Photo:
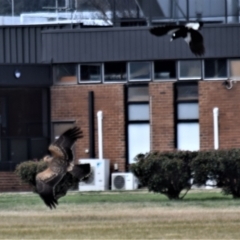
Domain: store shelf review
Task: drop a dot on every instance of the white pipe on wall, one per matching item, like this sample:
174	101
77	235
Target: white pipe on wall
215	127
100	135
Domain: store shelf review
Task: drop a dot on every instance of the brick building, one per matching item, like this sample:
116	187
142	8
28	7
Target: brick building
154	95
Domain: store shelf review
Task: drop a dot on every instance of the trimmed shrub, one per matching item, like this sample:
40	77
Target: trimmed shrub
222	166
28	170
165	172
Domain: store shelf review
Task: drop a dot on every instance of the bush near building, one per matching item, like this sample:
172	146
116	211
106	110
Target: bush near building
219	166
170	173
28	170
165	172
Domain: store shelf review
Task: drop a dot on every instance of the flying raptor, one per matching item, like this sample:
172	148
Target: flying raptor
189	32
60	163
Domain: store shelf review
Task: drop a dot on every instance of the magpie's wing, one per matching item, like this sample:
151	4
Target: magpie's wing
62	147
197	43
163	30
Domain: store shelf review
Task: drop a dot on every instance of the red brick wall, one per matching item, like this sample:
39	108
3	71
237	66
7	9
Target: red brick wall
214	94
71	103
162	115
10	182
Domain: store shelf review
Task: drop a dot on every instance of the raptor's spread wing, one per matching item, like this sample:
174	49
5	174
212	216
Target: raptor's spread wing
45	186
62	147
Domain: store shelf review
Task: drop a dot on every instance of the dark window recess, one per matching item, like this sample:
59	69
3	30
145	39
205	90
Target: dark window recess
215	68
116	71
90	73
164	69
24	126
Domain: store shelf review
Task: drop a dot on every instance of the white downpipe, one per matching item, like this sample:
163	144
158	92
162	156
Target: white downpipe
215	127
100	135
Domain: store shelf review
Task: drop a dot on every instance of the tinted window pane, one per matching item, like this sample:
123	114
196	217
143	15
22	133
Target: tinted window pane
187	111
138	112
187	92
190	69
215	68
188	136
65	74
90	73
140	71
164	69
136	94
115	71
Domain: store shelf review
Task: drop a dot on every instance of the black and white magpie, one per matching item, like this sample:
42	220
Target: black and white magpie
188	31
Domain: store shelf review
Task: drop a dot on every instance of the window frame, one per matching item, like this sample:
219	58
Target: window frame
55	82
90	81
191	78
164	79
176	102
139	80
229	68
216	78
135	122
115	81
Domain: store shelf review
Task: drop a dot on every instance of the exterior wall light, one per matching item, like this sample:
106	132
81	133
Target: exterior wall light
17	73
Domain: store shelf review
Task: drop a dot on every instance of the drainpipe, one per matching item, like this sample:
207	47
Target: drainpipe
100	135
215	128
91	124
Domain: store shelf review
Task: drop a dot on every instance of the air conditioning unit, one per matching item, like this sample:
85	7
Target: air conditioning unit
124	181
99	178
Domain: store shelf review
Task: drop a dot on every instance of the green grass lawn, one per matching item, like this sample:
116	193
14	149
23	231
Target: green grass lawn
202	214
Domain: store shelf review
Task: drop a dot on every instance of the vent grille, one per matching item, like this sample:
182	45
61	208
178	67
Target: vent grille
119	182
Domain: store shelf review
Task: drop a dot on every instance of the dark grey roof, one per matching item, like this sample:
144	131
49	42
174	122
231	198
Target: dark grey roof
134	44
62	44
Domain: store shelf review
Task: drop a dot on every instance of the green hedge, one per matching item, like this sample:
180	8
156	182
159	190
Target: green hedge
223	166
165	172
28	170
171	172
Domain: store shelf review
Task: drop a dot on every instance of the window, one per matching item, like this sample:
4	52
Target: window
187	116
164	70
90	73
234	66
24	125
215	68
140	71
138	126
65	74
190	69
115	72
